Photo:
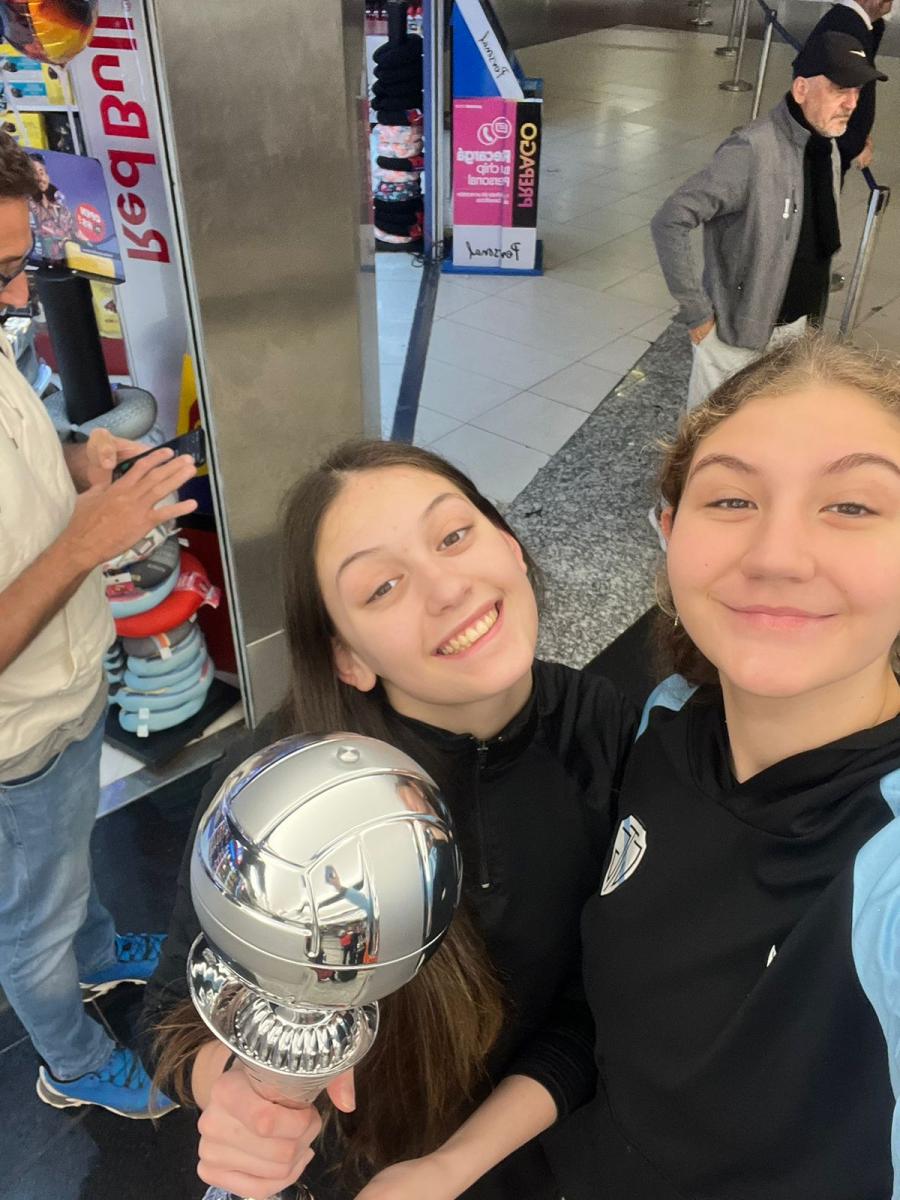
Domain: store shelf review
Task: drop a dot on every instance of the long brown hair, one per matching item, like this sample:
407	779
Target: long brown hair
812	359
428	1064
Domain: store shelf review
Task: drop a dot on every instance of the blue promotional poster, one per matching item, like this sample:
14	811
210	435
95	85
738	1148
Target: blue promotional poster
72	218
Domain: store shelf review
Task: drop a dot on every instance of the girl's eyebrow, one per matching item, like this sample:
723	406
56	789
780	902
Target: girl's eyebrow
860	459
846	463
723	460
373	549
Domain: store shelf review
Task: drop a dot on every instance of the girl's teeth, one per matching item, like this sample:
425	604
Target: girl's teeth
463	641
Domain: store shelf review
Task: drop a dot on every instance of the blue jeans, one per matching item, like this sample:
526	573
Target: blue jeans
53	928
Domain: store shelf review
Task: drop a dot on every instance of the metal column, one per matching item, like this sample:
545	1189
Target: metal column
273	205
433	27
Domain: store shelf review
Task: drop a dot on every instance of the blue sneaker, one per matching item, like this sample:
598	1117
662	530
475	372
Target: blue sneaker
137	955
121	1085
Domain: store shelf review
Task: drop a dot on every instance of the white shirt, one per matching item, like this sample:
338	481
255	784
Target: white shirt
857	8
57	676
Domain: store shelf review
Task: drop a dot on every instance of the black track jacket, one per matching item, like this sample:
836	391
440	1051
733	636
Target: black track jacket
742	960
534	810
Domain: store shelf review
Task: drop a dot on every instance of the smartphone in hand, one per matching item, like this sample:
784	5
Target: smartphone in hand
193	443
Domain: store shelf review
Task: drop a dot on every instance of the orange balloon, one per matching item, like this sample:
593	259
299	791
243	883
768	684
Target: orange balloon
51	31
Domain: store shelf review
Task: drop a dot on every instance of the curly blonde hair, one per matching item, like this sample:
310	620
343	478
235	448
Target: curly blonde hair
812	359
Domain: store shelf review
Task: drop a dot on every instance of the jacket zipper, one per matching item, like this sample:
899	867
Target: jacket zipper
484	875
790	211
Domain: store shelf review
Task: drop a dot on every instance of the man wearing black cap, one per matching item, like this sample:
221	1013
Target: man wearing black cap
863	20
768	204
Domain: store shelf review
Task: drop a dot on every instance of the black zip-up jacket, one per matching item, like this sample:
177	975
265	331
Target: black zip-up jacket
533	810
841	19
743	965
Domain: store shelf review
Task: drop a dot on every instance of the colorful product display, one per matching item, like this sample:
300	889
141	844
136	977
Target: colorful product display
397	143
33	81
28	128
159	670
378	13
133	415
92	215
127	598
106	310
190	593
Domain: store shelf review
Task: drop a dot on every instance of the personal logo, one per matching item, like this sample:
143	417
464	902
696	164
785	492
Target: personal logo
630	847
859	53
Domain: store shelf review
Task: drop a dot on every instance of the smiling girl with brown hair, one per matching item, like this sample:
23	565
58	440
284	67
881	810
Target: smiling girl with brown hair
411	615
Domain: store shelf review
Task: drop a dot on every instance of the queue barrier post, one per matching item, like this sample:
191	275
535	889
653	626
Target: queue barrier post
763	63
879	198
730	47
736	84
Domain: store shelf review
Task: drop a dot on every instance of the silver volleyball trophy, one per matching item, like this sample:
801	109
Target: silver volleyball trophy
324	874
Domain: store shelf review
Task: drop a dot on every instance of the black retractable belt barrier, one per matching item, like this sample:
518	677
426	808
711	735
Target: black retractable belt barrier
773	25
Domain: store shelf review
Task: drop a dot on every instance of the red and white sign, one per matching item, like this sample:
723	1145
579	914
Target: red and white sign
91	226
120	117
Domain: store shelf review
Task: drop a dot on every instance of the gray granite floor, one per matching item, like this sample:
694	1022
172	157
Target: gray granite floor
584	515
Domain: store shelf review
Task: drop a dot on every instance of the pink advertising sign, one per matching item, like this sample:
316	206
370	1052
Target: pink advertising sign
496	147
483	161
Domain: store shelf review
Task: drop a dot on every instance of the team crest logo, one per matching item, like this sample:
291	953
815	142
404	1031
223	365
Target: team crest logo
629	849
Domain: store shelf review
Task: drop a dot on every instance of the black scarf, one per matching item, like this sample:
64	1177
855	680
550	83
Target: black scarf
824	207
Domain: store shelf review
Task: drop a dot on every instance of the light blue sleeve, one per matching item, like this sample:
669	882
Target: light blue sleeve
875	938
672	693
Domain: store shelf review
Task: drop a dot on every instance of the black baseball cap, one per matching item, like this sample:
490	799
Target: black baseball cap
839	57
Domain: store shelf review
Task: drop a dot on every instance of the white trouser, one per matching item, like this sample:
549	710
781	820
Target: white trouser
714	361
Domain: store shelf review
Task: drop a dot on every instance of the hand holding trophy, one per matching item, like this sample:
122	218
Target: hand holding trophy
324	874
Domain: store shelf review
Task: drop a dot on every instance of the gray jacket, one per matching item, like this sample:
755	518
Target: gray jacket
749	200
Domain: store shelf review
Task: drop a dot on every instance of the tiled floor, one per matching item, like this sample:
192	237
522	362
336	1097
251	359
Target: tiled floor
515	366
397	280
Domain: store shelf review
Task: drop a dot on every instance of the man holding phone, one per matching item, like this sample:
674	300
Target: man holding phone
61	517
